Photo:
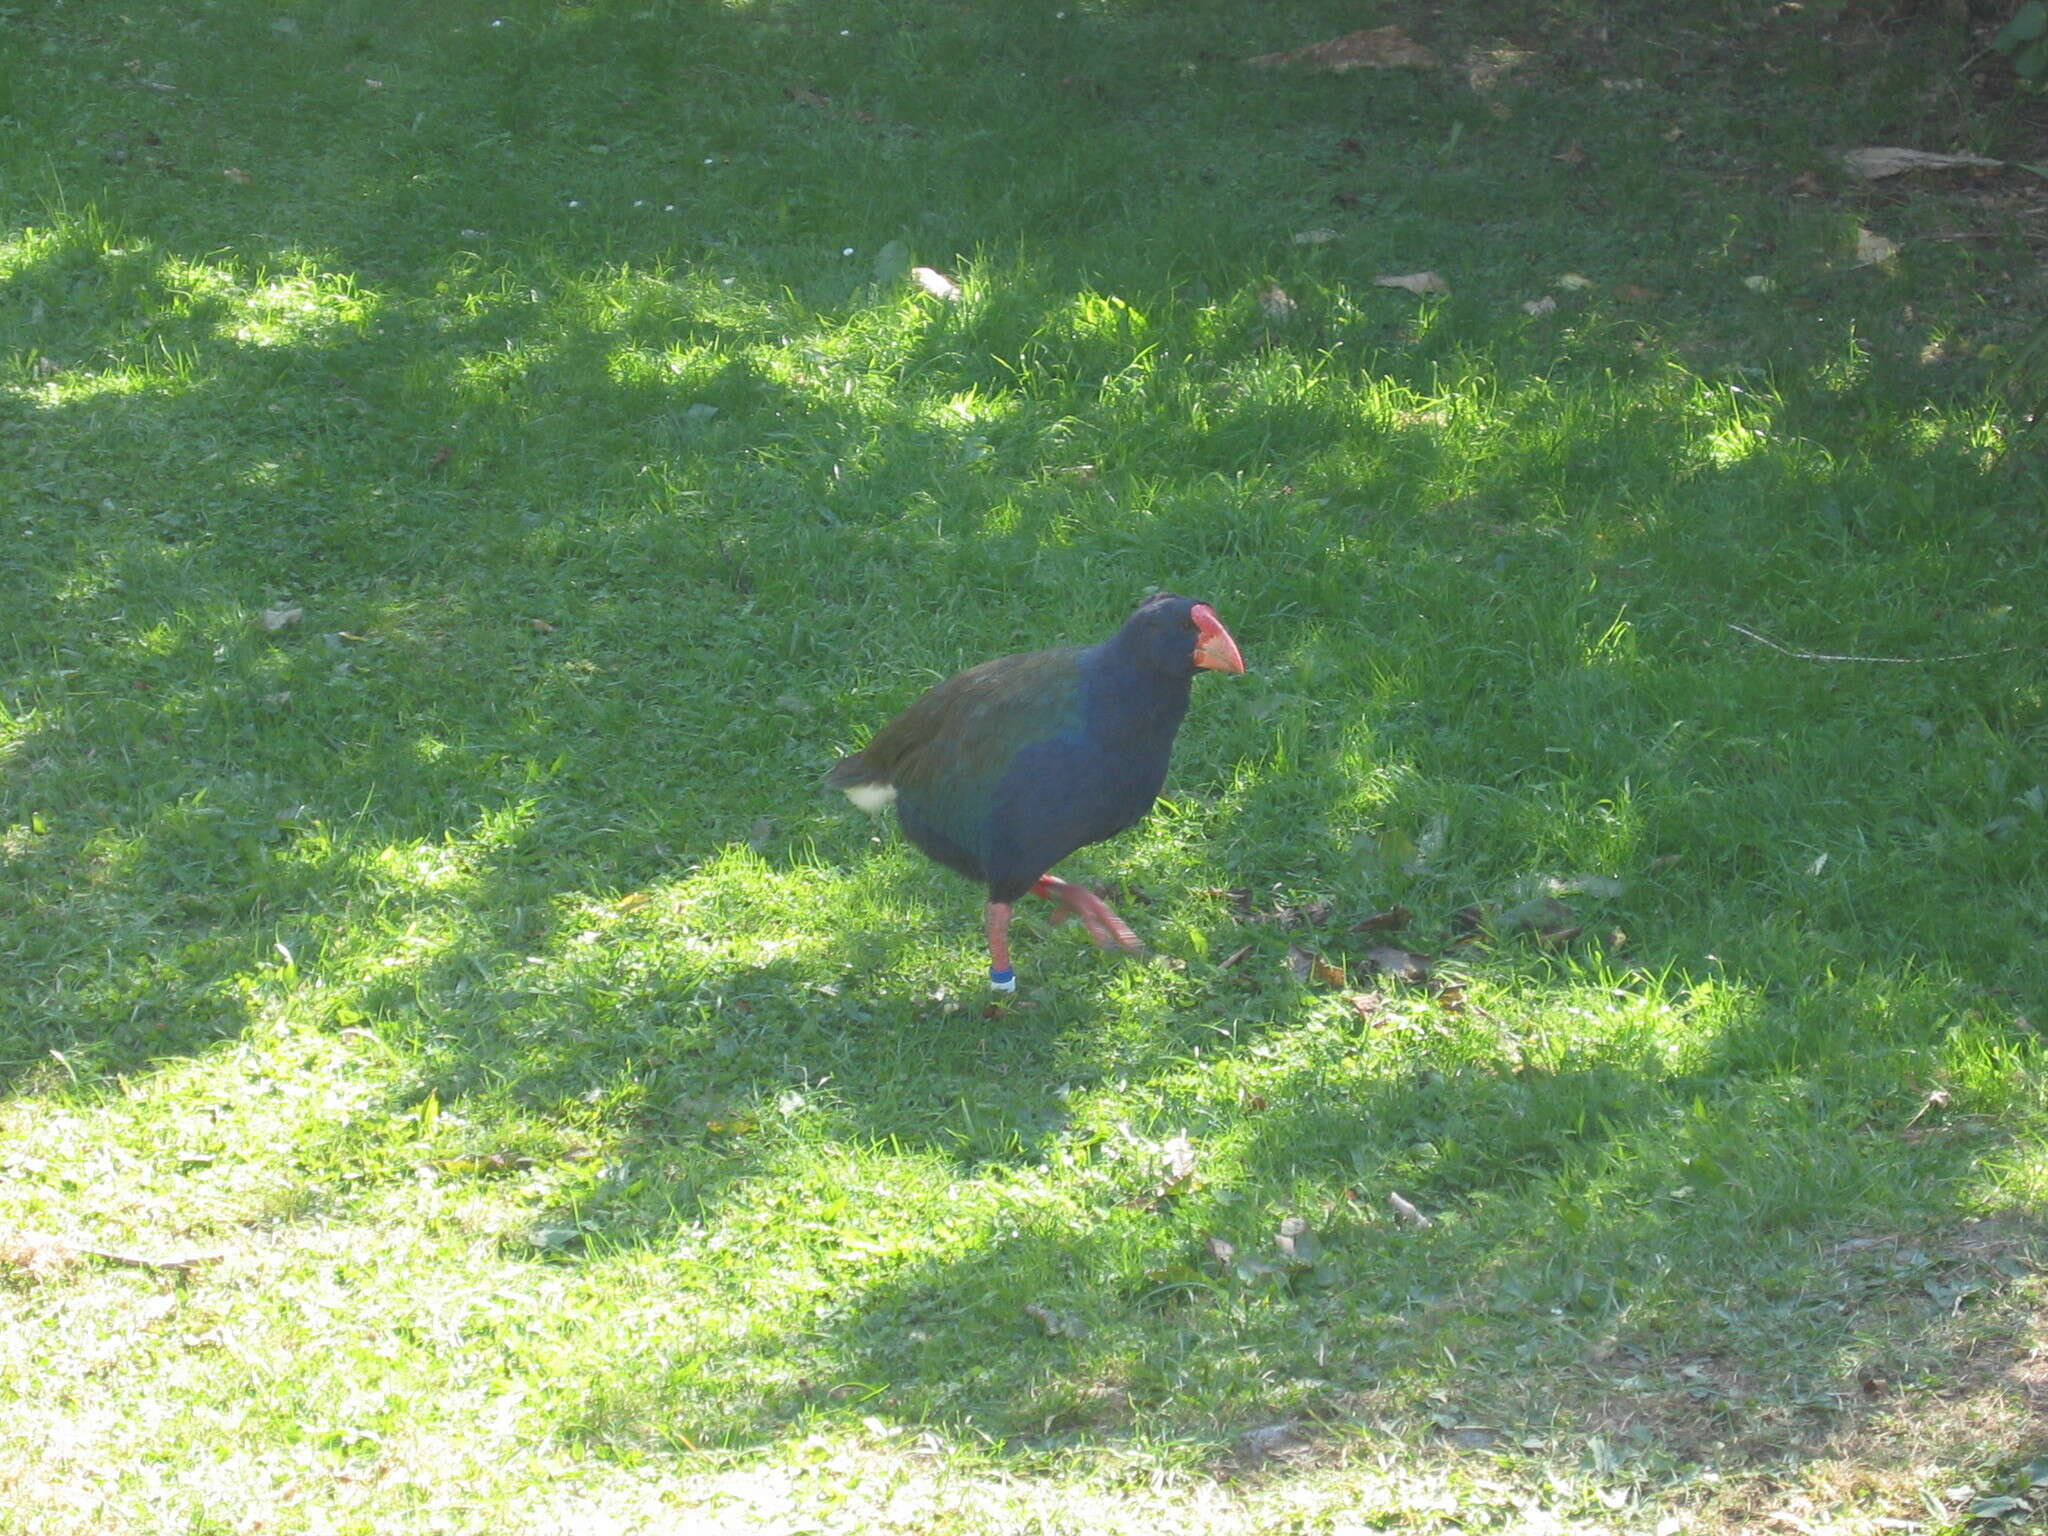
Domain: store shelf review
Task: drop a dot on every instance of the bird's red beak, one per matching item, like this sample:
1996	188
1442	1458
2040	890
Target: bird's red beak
1215	650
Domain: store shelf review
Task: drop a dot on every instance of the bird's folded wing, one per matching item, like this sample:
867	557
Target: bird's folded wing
971	727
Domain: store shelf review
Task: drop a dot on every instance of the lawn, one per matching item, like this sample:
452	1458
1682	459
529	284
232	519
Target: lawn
467	471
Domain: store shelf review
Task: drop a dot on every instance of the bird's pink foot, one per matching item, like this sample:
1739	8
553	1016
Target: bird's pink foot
1095	914
996	924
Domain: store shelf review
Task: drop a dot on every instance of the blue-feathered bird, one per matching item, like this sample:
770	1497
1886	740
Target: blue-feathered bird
1006	769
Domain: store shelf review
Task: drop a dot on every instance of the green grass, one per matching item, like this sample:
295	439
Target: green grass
578	1123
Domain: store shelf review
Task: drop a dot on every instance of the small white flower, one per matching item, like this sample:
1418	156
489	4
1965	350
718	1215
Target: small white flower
725	283
847	252
639	202
846	31
575	203
711	159
668	207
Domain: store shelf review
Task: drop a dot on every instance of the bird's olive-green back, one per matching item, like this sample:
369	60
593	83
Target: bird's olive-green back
963	734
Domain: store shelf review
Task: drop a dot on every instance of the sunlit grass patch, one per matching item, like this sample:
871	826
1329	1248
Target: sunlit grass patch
303	306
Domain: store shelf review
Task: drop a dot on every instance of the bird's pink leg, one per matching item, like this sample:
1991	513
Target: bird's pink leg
996	923
1096	915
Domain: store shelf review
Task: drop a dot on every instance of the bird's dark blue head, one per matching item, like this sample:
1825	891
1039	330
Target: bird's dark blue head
1178	636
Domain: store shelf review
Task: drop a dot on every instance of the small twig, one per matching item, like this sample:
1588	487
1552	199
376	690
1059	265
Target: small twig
1897	661
184	1263
1964	67
1939	1097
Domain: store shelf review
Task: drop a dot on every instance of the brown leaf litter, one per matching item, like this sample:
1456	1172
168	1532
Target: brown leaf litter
1368	48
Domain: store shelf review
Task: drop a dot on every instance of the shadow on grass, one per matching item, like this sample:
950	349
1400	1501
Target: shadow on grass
1705	1262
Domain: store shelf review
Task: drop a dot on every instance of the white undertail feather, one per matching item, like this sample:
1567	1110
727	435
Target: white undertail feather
871	797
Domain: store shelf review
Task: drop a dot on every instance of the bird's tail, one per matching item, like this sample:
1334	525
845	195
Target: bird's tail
860	783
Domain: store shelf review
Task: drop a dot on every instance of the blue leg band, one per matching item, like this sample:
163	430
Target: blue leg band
1002	981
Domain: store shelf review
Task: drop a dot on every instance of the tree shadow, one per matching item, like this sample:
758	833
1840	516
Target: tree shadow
1589	1200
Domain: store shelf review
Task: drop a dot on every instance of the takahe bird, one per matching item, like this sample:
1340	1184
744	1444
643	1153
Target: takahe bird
1006	769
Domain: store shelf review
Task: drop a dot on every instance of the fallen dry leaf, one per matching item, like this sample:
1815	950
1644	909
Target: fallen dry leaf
237	175
1572	282
1389	921
1571	154
35	1255
1406	1210
1297	1241
1315	237
274	619
1057	1325
1760	284
1233	957
1401	964
542	626
1310	914
1485	67
1633	293
1275	305
1871	247
1423	284
1245	1268
1606	887
1471	1437
1367	1005
1177	1163
804	98
935	283
1326	973
1301	962
1273	1442
1547	305
1472	919
1544	916
1369	48
1874	164
1805	184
